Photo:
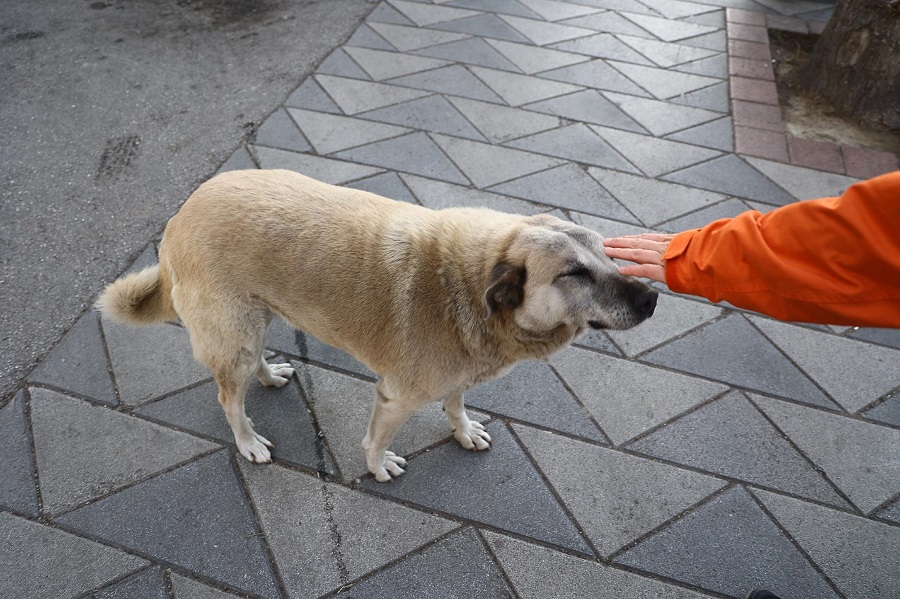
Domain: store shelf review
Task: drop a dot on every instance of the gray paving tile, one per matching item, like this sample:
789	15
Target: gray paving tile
675	9
599	341
450	479
413	38
862	459
424	15
488	165
532	393
278	414
714	97
620	5
506	7
326	170
731	438
694	220
658	117
611	21
387	65
457	567
433	113
324	536
239	160
17	485
652	155
148	584
78	363
890	512
714	66
185	588
415	153
666	29
714	18
731	175
567	186
281	337
472	51
385	13
597	74
389	185
887	412
550	10
888	337
588	106
339	63
196	517
606	227
860	556
359	96
603	45
627	398
543	33
539	573
717	40
650	200
40	561
615	497
330	133
280	131
792	8
718	134
531	59
84	451
438	195
521	89
803	183
854	373
488	26
501	123
454	80
664	54
750	552
576	143
365	37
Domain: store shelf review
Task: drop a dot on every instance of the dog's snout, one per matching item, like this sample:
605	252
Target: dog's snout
646	303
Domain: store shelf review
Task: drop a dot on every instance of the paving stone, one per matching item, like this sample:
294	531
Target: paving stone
473	51
281	337
663	83
731	438
365	37
665	54
323	535
865	164
763	143
854	373
620	5
542	33
887	412
819	155
668	30
450	479
17	485
751	68
891	512
714	66
196	517
599	341
615	497
557	11
714	97
501	123
40	561
754	90
733	176
674	316
627	398
597	74
577	143
433	113
488	26
540	573
694	220
331	133
385	13
278	414
388	185
531	59
732	351
611	21
650	200
454	80
532	393
716	134
717	40
359	96
606	227
793	7
759	116
588	106
415	153
239	160
386	65
604	45
888	337
148	584
654	156
521	89
750	552
506	7
424	15
78	363
803	183
862	459
658	117
280	131
185	588
339	63
438	195
335	172
311	96
84	451
488	165
566	186
414	38
860	556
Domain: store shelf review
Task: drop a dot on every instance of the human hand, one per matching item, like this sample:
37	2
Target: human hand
645	250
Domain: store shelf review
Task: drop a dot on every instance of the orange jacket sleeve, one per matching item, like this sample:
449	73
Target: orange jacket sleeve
830	261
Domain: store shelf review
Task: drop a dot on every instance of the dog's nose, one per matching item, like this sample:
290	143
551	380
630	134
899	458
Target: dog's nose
646	303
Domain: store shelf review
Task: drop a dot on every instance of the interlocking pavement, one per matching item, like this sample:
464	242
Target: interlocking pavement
705	453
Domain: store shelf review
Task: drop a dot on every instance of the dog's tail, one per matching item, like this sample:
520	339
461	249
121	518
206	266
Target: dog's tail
139	298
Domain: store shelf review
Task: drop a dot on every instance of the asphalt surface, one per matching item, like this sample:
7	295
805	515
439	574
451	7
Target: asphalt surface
111	113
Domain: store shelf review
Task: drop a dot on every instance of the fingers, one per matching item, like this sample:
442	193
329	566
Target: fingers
638	255
646	251
648	271
648	241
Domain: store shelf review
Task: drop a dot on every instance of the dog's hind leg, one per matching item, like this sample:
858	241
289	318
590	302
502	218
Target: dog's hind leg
272	375
388	415
469	433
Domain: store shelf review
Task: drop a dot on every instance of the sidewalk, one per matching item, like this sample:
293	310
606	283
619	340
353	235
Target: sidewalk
705	453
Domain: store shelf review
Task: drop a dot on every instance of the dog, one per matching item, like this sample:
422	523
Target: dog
434	302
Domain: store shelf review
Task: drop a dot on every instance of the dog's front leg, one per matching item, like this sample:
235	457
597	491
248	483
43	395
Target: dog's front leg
388	415
250	444
469	433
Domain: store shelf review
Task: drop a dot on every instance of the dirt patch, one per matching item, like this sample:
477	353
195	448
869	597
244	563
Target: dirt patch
811	117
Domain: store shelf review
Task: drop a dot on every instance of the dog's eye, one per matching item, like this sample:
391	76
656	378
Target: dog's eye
577	271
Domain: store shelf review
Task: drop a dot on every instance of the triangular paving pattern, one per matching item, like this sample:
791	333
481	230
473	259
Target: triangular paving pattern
862	459
887	411
279	414
606	227
85	451
388	185
424	15
358	96
473	51
576	143
542	33
365	37
588	106
414	153
280	131
733	176
454	80
537	572
324	535
506	7
749	552
890	512
658	117
668	30
718	134
186	588
666	54
551	10
78	364
611	21
521	89
488	165
167	518
148	584
605	46
731	438
433	113
17	485
675	9
854	373
329	133
566	186
40	561
860	556
413	38
489	26
501	123
654	156
714	97
531	59
532	393
338	63
662	83
803	183
326	170
385	13
597	74
627	398
700	218
450	479
732	351
615	497
717	40
438	195
386	65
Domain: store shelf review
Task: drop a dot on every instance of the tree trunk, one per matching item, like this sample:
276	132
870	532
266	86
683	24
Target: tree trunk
856	62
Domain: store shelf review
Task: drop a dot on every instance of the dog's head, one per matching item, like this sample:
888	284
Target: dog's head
556	273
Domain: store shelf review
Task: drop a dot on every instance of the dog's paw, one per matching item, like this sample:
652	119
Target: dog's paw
275	375
256	449
390	468
472	435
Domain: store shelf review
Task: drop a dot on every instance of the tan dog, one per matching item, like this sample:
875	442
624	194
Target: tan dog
435	302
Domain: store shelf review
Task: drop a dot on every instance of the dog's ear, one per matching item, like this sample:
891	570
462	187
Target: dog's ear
506	288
